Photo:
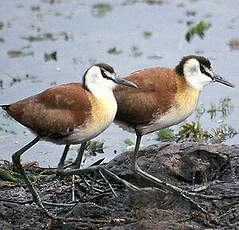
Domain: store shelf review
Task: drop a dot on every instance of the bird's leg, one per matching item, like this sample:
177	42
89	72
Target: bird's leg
77	162
16	160
63	158
91	169
136	149
157	181
61	166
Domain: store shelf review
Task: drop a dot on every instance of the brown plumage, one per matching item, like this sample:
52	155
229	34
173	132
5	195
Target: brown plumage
55	111
155	87
159	91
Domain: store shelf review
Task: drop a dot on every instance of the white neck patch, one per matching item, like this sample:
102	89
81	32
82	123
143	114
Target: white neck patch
97	84
194	77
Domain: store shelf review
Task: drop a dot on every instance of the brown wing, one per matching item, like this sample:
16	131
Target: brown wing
55	111
155	94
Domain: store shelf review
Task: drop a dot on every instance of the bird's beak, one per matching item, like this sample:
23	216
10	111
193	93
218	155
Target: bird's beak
217	78
122	81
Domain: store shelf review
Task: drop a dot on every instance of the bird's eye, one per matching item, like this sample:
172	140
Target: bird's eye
202	69
106	74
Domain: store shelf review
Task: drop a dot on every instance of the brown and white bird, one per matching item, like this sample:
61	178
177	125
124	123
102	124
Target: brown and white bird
164	97
68	114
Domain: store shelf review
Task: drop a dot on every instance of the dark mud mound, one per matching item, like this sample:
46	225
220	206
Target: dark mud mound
208	169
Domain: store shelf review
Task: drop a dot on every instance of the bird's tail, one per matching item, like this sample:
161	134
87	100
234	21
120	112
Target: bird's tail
4	107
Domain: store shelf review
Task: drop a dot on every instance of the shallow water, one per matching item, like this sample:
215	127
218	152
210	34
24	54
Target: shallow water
82	35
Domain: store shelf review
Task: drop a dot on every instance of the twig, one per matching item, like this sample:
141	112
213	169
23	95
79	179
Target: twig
107	182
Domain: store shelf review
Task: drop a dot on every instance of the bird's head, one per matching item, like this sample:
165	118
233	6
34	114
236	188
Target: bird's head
198	72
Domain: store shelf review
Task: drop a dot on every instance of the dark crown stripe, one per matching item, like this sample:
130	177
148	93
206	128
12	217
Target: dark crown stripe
202	60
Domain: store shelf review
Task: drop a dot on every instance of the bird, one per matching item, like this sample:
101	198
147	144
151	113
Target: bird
164	97
71	113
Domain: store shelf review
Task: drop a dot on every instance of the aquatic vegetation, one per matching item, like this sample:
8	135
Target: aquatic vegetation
9	173
191	13
147	34
199	29
155	57
135	51
193	132
19	53
222	133
100	9
128	142
94	146
35	8
166	134
40	37
114	51
16	79
50	56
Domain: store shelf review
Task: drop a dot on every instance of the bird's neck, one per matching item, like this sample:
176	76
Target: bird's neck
187	96
101	92
106	98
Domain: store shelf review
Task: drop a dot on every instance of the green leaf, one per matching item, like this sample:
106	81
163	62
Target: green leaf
114	51
128	142
199	29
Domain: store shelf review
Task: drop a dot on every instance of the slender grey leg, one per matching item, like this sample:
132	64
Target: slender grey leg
92	169
79	157
63	158
77	162
136	149
16	160
61	168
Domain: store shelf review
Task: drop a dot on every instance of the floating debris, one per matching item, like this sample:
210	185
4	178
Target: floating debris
41	37
19	53
114	51
155	57
234	44
100	10
147	34
16	79
1	25
35	8
136	52
191	13
50	56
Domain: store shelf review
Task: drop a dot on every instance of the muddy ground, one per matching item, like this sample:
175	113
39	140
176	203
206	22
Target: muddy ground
211	170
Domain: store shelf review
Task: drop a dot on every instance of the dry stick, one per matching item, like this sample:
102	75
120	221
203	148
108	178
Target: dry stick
108	183
95	221
73	189
205	186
